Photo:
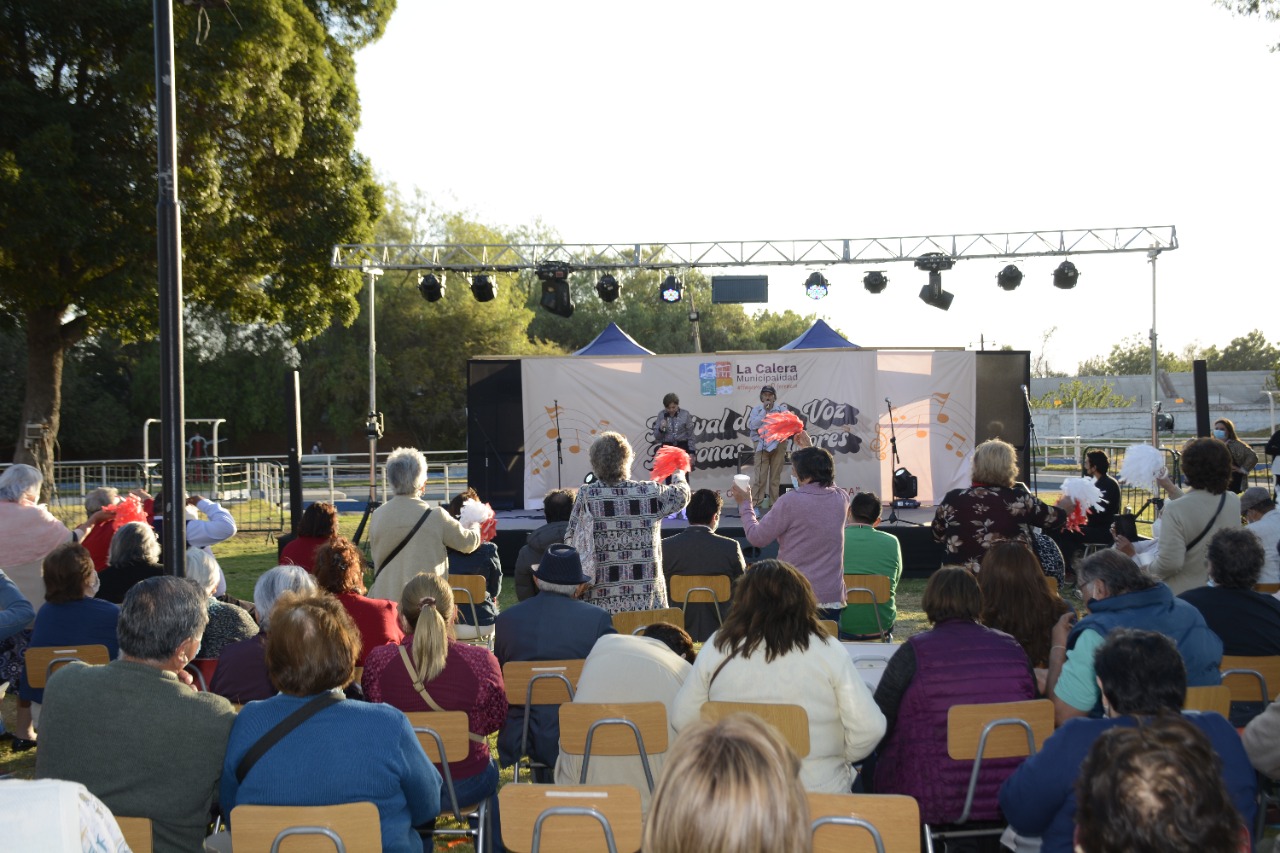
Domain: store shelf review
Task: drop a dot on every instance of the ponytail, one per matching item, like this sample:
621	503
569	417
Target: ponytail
427	607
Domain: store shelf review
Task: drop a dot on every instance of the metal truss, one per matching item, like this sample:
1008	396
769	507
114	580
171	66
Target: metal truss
513	257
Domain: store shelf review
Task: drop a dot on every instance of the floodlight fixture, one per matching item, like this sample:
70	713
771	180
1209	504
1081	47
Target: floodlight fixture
935	262
671	289
556	296
933	294
431	288
905	484
1065	275
816	285
608	288
483	287
1009	278
875	281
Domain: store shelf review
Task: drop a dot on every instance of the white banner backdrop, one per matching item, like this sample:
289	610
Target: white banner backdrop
840	393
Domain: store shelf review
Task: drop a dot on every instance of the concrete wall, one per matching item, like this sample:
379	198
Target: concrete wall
1135	423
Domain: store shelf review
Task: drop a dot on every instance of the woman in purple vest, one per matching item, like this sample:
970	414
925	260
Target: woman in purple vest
957	662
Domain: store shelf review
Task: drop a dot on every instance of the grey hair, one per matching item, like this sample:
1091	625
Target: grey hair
1120	573
132	542
101	497
160	614
569	589
18	481
203	569
406	470
611	457
274	583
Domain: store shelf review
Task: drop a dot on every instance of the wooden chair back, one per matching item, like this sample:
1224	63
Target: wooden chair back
699	589
1268	588
576	719
136	832
634	621
965	724
454	731
791	721
1215	698
541	682
866	589
895	817
579	828
308	829
43	661
468	593
1251	679
831	626
1052	582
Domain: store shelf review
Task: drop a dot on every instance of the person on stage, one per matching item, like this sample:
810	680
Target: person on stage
769	454
674	425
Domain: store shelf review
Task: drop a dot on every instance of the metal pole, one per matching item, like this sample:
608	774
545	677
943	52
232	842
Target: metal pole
1155	352
373	426
169	279
693	318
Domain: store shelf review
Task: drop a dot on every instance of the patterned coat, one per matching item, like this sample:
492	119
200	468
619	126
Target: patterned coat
969	521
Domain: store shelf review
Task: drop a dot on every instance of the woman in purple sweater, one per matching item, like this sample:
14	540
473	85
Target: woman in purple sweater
808	524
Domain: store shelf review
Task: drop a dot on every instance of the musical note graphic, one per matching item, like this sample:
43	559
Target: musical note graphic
552	411
956	442
576	447
942	400
553	433
540	465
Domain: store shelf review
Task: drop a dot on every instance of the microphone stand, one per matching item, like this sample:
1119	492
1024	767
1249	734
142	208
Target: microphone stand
1032	443
559	444
894	462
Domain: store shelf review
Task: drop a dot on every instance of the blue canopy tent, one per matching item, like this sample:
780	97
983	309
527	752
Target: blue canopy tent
614	341
820	336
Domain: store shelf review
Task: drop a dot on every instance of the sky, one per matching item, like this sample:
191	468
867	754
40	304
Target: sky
706	120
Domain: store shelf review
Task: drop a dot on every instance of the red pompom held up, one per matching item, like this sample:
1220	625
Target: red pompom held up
488	527
1077	517
780	426
127	510
668	460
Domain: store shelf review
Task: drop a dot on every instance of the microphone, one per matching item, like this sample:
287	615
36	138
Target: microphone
886	400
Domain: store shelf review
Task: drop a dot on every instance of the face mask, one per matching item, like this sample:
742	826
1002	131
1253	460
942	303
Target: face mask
1220	434
795	484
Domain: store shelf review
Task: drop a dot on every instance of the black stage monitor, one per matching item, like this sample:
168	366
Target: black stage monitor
739	288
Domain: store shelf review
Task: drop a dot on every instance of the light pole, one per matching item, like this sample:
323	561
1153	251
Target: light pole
373	422
1152	255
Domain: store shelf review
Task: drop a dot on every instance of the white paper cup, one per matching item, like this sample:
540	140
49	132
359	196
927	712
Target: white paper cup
742	481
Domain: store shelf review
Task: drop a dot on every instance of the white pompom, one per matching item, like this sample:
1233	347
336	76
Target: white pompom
1142	465
474	513
1083	491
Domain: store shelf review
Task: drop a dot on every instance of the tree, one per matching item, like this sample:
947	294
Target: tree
1248	352
1269	9
1131	357
1040	367
268	177
1085	395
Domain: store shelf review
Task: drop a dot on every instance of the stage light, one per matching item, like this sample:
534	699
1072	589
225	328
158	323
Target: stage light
935	262
671	289
816	286
484	288
905	485
556	297
431	288
608	288
875	281
1065	275
1009	278
933	294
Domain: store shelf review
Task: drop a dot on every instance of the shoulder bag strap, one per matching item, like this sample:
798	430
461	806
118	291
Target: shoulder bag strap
422	690
403	542
712	680
282	728
1194	542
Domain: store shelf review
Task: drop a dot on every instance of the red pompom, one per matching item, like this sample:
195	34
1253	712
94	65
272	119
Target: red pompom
668	460
488	528
127	510
780	426
1077	517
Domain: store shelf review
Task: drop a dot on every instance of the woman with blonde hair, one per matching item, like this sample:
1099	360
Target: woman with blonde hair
431	671
730	787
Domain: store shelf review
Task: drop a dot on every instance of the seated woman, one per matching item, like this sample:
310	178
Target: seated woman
956	662
71	616
772	648
431	671
1142	677
482	561
242	674
1247	622
311	655
340	571
319	524
1016	600
731	787
134	556
227	623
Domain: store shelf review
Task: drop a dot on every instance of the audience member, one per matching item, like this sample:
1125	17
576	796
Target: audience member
431	671
227	623
1155	788
1259	510
553	625
311	654
482	561
1119	594
969	521
28	532
319	524
557	506
340	572
1142	677
53	816
1247	622
621	518
1262	741
406	535
15	616
730	787
1188	522
626	668
868	551
773	648
1016	600
71	617
808	525
1243	458
699	550
1097	526
134	732
956	662
134	557
242	674
98	540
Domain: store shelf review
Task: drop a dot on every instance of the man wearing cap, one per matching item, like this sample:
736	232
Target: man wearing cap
769	454
1259	509
552	625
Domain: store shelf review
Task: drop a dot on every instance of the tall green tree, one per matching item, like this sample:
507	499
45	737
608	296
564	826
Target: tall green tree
1247	352
1086	395
268	177
1131	357
1269	9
